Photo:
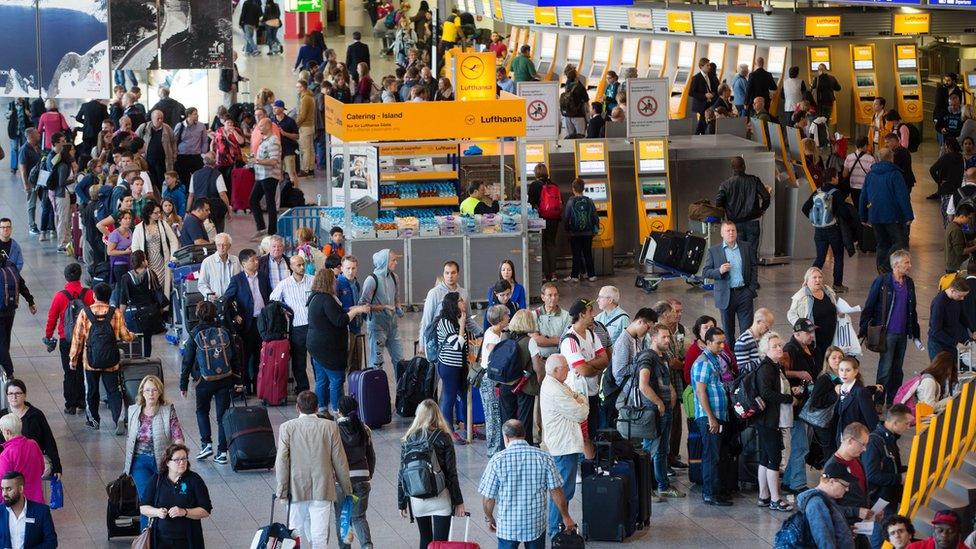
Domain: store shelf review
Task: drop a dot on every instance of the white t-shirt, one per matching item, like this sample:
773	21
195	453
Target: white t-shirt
487	344
579	350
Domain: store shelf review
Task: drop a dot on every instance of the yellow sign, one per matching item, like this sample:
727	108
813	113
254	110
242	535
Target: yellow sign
364	122
651	150
862	53
820	55
822	26
591	151
418	149
912	23
535	153
905	51
739	24
497	5
640	19
475	76
679	21
583	17
545	16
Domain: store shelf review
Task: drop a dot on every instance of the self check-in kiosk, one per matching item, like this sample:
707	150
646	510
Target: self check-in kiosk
865	80
653	186
547	55
535	153
745	55
716	54
776	65
574	54
969	84
681	80
514	45
908	83
657	59
818	55
629	55
593	167
602	49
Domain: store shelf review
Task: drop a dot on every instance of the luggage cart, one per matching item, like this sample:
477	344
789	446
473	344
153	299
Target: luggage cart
183	303
651	273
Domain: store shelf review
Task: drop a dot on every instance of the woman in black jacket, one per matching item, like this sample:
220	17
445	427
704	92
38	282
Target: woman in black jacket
357	441
35	425
947	173
824	396
137	298
430	431
775	391
855	402
328	338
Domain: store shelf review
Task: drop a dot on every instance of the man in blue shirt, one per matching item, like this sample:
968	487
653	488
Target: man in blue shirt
732	267
289	140
711	414
348	291
193	231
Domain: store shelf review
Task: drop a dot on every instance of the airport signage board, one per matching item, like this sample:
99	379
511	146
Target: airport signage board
680	22
953	2
545	16
583	17
739	24
541	109
640	19
911	23
822	26
475	75
647	107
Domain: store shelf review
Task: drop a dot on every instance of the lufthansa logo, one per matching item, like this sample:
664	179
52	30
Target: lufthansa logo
472	68
469	119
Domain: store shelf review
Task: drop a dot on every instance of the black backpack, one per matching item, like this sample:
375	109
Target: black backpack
292	196
9	286
914	136
745	395
274	320
420	470
75	306
795	531
101	347
415	381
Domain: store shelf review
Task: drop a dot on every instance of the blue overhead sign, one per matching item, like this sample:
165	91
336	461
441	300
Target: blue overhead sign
953	2
570	3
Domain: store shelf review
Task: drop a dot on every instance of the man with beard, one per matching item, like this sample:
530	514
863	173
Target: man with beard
24	523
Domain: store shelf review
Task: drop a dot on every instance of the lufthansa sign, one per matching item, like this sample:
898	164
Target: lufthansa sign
475	75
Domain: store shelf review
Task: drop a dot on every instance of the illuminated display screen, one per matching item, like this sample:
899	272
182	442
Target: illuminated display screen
814	66
777	59
590	167
653	186
863	65
971	80
596	191
865	81
651	165
908	79
907	63
686	55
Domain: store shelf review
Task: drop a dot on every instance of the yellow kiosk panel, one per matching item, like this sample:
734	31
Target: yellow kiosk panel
865	82
911	23
653	187
908	83
535	153
822	26
680	22
819	55
545	16
739	24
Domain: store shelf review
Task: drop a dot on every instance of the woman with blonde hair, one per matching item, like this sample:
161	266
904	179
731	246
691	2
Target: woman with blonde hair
305	245
775	391
938	381
153	427
429	434
817	302
265	101
814	163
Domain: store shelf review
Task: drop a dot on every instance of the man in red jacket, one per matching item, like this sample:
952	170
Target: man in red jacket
945	535
74	380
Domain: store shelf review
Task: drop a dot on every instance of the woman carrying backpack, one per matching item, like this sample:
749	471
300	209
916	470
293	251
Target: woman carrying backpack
497	318
141	299
357	441
427	440
582	223
938	380
546	198
822	209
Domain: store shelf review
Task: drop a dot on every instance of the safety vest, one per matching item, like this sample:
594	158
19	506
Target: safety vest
468	205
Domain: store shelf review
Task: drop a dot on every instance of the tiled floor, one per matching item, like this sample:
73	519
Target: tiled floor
241	501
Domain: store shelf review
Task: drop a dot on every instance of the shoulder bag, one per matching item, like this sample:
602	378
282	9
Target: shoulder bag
817	417
635	419
145	539
877	335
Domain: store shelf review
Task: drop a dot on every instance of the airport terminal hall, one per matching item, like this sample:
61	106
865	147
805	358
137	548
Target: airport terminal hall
460	274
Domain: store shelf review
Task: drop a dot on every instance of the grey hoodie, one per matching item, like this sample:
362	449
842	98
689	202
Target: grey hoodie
384	293
432	305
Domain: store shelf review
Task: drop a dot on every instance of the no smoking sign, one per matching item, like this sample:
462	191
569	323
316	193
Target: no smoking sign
647	105
537	110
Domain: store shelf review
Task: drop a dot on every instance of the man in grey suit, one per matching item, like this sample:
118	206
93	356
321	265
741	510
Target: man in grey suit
732	266
310	462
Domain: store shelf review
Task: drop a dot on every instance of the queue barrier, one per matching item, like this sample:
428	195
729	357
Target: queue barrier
293	219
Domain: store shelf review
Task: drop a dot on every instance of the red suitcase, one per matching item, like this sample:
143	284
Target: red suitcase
273	372
76	234
241	184
456	544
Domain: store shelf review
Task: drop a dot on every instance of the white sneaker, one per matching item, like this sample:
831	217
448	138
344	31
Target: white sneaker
570	279
221	458
205	452
592	279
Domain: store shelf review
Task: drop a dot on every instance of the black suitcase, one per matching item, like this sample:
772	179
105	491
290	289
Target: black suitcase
192	254
605	507
644	471
669	247
694	252
694	452
747	463
250	438
132	372
867	242
415	382
122	511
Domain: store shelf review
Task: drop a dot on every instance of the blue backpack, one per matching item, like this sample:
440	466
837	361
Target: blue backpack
432	347
822	212
795	532
503	362
213	357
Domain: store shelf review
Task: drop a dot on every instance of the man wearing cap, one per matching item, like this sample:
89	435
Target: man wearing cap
289	139
854	504
801	368
828	528
587	359
732	267
945	532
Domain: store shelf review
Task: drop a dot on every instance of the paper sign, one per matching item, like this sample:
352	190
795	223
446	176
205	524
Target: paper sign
541	109
647	107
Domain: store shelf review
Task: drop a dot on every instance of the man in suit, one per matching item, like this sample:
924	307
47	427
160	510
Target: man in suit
760	83
24	524
90	116
310	462
274	266
356	53
249	292
704	87
732	267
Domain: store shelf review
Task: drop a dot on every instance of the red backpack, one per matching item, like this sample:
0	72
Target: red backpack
550	202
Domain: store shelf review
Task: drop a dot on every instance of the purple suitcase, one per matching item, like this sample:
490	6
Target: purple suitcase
371	389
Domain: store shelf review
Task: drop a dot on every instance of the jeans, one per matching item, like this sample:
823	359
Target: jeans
219	391
271	39
433	528
73	385
310	520
15	144
741	308
891	237
250	45
830	237
574	125
299	357
110	380
6	330
142	470
452	382
749	232
47	210
582	248
549	248
32	208
538	543
146	345
658	449
711	444
382	332
360	489
567	466
890	373
795	475
265	188
328	385
320	159
120	76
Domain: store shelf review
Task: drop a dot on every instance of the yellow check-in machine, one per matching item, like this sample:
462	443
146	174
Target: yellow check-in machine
776	65
597	71
513	46
681	79
629	55
593	167
657	59
535	153
653	186
908	83
530	40
716	54
575	44
818	55
547	55
865	80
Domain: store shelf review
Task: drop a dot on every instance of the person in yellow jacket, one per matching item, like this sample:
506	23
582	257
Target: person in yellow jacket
478	201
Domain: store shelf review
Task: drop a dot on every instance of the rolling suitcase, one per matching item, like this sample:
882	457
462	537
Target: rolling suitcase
122	511
132	373
456	544
625	470
371	389
242	183
250	438
694	452
477	409
76	235
867	242
644	471
605	508
273	372
694	252
669	247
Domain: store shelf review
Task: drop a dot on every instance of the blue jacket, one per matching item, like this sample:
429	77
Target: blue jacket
348	292
947	323
882	292
240	291
828	527
39	532
16	256
740	87
884	197
882	465
178	194
518	297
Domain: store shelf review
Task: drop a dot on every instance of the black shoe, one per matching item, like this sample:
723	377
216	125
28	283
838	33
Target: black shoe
933	196
671	472
678	464
92	424
716	502
70	410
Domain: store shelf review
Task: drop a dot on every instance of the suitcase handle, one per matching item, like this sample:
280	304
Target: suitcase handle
274	497
467	526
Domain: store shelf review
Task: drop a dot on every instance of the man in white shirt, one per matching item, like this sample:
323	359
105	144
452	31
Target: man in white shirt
450	282
563	410
24	523
218	268
587	359
293	292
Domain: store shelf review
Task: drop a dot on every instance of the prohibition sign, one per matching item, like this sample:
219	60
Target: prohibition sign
538	110
647	106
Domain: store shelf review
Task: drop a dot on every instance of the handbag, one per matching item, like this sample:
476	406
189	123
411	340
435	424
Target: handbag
877	336
817	417
145	319
144	539
634	418
273	22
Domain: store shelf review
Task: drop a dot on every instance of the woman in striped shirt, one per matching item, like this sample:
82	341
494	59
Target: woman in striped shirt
452	355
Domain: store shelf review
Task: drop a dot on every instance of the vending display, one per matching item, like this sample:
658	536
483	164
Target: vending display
716	54
746	55
653	186
908	89
865	82
602	49
535	153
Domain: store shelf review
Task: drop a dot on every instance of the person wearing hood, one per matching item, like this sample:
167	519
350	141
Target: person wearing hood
448	282
380	293
357	442
882	464
884	205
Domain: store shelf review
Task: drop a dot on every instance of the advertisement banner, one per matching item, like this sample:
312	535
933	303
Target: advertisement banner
19	75
74	48
363	173
541	109
134	34
647	107
196	34
475	76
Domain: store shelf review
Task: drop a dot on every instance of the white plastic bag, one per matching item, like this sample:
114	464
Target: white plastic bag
846	337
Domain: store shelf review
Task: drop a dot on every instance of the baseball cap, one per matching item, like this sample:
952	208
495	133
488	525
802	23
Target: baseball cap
804	325
947	516
579	306
279	103
839	471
